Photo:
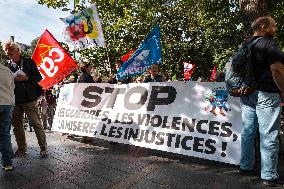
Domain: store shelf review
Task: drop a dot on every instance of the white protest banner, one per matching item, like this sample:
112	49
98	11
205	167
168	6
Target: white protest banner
190	118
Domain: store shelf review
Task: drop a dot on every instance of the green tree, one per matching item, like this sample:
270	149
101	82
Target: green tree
33	44
204	32
250	10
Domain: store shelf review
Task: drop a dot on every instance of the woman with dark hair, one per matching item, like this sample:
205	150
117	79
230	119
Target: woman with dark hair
85	76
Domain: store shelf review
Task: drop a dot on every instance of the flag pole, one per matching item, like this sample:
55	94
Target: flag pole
74	44
108	60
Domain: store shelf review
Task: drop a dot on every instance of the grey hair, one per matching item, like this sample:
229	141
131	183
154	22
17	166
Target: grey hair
12	45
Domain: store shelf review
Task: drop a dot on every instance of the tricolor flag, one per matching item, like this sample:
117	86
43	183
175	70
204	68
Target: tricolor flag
53	62
84	29
147	54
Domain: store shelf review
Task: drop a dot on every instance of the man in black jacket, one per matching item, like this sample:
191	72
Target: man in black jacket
27	91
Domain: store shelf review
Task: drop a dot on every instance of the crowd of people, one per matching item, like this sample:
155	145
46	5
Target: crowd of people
20	94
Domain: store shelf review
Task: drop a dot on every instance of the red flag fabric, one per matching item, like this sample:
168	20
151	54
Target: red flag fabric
53	62
188	70
213	74
128	55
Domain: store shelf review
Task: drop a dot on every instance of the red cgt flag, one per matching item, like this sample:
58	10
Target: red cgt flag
53	62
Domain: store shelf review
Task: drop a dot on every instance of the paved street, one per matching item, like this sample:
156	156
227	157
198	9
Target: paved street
72	164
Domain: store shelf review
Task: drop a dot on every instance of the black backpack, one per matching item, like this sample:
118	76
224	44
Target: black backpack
238	70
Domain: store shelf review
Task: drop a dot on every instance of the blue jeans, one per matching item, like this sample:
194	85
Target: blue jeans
261	109
5	137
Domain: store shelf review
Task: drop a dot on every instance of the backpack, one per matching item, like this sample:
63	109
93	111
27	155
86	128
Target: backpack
238	71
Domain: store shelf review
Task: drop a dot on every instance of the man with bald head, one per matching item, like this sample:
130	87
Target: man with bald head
261	109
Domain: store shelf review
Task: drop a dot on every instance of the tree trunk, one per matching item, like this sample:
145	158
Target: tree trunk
250	10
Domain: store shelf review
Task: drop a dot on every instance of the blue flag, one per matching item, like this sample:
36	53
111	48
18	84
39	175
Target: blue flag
148	53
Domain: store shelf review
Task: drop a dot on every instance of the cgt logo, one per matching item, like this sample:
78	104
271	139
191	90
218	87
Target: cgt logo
48	67
92	96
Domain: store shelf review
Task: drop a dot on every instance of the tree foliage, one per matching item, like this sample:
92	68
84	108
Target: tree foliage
34	43
205	32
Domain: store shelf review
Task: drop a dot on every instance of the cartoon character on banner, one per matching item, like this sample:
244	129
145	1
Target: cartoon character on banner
217	98
66	96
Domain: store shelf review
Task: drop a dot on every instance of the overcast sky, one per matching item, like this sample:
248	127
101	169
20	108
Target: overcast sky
26	20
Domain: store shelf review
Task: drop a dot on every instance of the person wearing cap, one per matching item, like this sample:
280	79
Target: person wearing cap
85	76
